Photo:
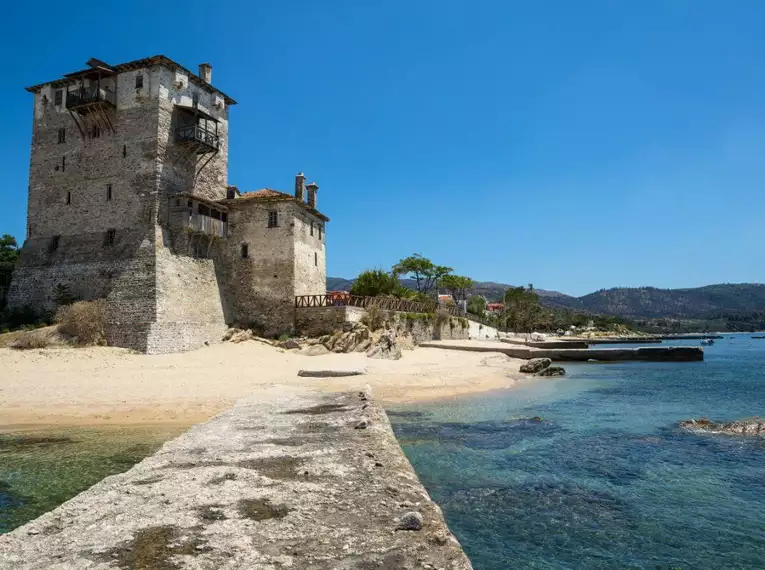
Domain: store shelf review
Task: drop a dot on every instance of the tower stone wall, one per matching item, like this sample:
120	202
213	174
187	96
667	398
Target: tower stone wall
123	208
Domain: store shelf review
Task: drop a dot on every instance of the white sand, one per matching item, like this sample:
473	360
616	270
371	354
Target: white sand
70	386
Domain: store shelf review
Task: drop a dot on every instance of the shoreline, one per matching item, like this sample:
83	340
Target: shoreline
103	387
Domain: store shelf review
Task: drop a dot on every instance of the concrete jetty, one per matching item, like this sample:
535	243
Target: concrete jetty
651	354
284	480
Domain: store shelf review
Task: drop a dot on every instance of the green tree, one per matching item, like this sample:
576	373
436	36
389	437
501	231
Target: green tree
476	305
9	255
522	309
374	282
425	273
457	285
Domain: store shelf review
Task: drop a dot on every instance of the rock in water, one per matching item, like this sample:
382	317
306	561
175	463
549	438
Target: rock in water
535	365
552	371
410	521
751	426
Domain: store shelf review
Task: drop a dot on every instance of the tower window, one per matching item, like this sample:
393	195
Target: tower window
96	131
53	245
108	191
139	81
61	135
311	228
124	151
109	237
58	97
319	233
273	218
63	163
68	198
245	251
315	259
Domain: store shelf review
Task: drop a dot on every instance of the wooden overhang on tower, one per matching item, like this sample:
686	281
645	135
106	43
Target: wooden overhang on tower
92	98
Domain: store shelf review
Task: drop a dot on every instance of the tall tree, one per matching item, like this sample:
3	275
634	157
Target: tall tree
424	272
522	309
374	282
476	305
9	255
457	285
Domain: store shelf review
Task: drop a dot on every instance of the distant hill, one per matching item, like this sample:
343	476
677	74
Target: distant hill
706	302
701	303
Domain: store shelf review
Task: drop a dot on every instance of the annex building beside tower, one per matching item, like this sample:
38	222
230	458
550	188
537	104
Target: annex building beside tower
129	201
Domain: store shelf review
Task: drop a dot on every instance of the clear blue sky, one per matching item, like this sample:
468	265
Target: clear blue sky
574	145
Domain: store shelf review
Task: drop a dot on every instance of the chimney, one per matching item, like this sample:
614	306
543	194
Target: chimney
312	189
205	72
300	187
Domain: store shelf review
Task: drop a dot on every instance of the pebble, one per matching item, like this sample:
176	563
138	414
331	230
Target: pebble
410	521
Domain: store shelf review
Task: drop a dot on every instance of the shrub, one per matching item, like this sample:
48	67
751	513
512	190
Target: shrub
29	339
84	321
374	282
284	337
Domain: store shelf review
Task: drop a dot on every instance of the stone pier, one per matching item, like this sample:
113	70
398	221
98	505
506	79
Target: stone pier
284	480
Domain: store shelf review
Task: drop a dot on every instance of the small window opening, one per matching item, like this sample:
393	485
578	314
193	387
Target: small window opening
177	202
108	191
124	150
319	233
58	97
315	259
139	81
53	245
273	218
195	99
96	131
109	238
245	251
311	228
68	198
61	135
63	163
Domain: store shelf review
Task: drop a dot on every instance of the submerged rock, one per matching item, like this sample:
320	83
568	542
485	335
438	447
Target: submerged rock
750	426
552	371
535	365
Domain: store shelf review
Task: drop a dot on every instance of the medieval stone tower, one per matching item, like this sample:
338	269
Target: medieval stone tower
129	201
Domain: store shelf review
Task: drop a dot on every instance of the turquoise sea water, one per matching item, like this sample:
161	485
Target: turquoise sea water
590	471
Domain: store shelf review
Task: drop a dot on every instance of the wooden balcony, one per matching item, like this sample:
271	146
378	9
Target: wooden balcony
83	99
196	136
206	225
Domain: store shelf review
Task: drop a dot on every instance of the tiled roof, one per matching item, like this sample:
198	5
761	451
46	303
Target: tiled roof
265	194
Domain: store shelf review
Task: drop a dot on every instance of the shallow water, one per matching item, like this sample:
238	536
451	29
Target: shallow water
590	471
42	468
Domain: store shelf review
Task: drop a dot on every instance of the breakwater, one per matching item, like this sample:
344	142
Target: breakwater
286	479
648	354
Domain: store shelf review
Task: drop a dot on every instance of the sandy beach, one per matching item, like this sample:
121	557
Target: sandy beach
112	386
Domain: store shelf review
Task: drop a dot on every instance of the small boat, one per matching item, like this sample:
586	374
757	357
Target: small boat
707	342
759	337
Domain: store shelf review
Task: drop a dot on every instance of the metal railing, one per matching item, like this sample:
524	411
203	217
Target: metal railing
198	134
207	225
87	95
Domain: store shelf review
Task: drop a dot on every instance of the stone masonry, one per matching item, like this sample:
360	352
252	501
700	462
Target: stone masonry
129	201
